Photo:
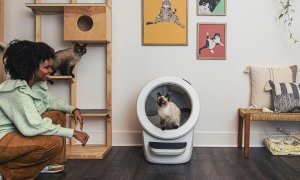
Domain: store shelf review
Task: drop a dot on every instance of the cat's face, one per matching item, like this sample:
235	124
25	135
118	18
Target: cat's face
217	37
208	6
166	4
162	100
80	49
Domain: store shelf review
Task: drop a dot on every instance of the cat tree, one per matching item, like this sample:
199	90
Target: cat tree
85	23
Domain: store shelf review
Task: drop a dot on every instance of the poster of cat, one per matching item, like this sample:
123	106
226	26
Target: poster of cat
211	7
164	22
211	41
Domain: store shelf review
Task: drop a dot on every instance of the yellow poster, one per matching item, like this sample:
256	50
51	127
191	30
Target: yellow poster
164	22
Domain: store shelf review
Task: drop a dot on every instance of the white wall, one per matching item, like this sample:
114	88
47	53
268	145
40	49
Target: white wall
254	37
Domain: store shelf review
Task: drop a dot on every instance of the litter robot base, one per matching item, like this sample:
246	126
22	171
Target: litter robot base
174	151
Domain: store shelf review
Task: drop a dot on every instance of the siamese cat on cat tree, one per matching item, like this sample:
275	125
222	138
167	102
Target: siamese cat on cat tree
66	59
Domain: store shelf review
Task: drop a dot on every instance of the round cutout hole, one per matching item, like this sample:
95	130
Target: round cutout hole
85	23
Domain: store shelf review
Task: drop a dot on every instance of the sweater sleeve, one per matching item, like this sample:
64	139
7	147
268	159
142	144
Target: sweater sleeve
27	119
52	102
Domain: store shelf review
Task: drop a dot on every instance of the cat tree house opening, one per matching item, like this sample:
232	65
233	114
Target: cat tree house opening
85	23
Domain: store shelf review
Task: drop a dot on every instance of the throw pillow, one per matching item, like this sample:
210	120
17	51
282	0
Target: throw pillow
260	76
285	97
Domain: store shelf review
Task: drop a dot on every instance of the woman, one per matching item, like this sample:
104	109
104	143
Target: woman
31	139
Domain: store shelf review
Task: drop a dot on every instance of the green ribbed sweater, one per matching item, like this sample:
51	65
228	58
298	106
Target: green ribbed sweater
21	108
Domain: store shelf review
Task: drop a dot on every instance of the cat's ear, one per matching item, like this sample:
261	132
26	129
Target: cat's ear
168	97
158	94
77	44
84	45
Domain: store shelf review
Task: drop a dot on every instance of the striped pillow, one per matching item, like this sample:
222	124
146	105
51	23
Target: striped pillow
285	97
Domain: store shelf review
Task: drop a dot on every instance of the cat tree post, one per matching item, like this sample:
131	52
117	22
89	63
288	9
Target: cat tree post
109	3
2	37
73	94
109	93
2	20
109	80
38	22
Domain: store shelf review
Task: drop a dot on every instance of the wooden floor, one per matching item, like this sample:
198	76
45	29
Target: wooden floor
206	163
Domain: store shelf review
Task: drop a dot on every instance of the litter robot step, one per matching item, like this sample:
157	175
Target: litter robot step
169	149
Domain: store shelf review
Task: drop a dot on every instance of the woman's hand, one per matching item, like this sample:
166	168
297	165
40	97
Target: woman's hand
78	118
83	137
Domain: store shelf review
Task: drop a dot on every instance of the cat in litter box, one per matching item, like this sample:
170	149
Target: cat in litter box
168	112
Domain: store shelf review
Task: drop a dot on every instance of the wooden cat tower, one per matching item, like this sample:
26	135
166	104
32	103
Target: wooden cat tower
86	23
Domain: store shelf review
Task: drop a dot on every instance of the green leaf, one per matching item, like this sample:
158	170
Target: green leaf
286	7
286	15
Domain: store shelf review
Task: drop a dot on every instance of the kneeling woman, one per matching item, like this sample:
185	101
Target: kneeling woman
32	134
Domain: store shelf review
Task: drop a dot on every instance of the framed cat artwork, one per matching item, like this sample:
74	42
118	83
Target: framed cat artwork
211	7
164	22
211	41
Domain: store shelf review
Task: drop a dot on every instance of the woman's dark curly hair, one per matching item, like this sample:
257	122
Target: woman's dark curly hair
22	58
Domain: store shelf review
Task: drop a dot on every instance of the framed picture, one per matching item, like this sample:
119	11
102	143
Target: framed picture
164	22
211	7
211	41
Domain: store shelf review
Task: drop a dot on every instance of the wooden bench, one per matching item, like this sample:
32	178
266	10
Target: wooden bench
257	115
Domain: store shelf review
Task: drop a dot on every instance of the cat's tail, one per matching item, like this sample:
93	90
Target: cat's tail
201	49
180	24
149	22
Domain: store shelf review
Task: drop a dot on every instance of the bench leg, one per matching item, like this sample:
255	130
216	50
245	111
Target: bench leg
240	131
247	136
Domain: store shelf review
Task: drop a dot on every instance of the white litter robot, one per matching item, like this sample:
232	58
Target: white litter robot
170	146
